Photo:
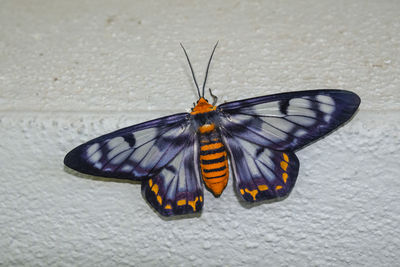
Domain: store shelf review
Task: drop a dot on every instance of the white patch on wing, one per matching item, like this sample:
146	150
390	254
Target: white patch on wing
327	118
116	141
300	133
127	168
300	102
272	133
325	99
301	111
140	152
173	132
264	109
326	108
96	156
279	123
98	165
304	121
148	156
93	148
118	149
121	157
250	151
144	136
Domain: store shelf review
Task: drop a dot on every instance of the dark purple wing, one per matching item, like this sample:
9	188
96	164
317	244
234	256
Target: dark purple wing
288	121
261	173
177	188
162	153
261	135
134	152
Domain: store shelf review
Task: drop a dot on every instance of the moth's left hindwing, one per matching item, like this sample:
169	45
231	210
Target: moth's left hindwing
162	153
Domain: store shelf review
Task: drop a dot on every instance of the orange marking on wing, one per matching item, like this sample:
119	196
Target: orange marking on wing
168	207
181	202
211	146
159	199
242	191
285	157
202	106
262	187
212	156
150	183
253	193
284	165
155	189
193	203
278	187
201	199
206	128
284	177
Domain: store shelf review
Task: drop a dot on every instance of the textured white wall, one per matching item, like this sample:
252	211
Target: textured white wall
72	70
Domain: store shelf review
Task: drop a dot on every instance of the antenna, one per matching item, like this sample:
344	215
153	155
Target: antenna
208	66
191	69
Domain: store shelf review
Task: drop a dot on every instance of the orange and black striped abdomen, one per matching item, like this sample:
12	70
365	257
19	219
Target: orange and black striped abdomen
213	159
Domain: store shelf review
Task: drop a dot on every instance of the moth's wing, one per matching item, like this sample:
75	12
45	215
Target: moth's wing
135	152
288	121
260	173
177	188
262	133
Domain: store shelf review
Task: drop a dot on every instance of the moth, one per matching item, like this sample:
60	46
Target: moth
174	156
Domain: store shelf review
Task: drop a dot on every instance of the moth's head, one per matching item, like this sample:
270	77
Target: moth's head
202	106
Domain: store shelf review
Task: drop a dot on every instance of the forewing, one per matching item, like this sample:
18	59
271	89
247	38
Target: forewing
288	121
177	188
260	173
134	152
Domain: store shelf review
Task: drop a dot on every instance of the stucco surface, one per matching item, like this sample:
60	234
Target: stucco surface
70	71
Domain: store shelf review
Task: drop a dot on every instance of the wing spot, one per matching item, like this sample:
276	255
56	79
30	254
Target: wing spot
193	203
159	199
96	156
201	199
325	99
285	157
130	140
155	189
168	207
284	177
150	183
262	187
242	191
284	165
93	148
253	193
278	187
116	141
181	202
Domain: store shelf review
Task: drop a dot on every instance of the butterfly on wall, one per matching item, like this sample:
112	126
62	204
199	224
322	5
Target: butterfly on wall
174	155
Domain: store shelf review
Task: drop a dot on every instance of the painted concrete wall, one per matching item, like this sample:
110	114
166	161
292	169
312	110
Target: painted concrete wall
73	70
